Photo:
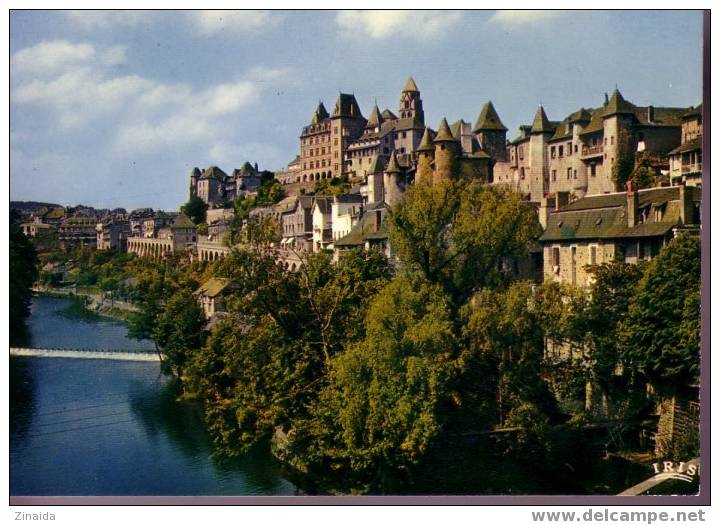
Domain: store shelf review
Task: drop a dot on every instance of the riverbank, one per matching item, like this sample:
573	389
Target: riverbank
94	303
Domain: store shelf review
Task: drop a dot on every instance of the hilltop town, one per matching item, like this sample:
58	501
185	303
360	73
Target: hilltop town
609	183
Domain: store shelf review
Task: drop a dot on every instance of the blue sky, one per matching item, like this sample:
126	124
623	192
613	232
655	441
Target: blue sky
115	108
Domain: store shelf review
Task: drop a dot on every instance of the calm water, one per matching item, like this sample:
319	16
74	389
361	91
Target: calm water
97	427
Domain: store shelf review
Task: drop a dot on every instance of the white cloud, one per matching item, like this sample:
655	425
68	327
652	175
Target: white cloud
94	19
50	56
417	25
521	17
210	21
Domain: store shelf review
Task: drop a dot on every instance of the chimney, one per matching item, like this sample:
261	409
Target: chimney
632	204
687	206
651	114
562	198
607	101
546	206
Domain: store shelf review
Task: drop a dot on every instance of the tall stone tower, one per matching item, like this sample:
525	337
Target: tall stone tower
491	133
194	177
540	132
375	180
392	181
426	157
410	102
618	137
447	150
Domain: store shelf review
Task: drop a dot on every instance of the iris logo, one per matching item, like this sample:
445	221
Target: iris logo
672	470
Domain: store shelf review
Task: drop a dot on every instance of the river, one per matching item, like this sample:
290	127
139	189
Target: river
100	427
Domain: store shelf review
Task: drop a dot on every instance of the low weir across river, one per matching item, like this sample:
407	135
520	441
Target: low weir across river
118	355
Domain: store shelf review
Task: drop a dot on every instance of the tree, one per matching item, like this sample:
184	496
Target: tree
661	332
178	331
195	208
459	233
382	406
23	273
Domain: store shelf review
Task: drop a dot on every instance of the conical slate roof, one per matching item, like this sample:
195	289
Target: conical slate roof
410	85
320	114
426	144
444	134
617	104
388	115
347	106
377	165
393	166
375	119
213	172
488	120
581	115
541	124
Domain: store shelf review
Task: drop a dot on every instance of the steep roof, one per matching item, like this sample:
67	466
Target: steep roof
691	145
195	173
411	86
213	172
604	216
324	203
618	105
365	229
393	166
409	123
581	115
388	115
541	124
182	221
488	120
375	119
426	144
213	287
320	114
347	106
377	165
444	134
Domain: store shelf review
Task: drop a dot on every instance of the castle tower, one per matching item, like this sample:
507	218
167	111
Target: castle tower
447	150
540	132
618	137
347	124
194	177
490	132
411	103
375	180
375	120
426	158
392	181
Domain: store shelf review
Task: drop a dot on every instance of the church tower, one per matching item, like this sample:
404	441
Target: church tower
411	103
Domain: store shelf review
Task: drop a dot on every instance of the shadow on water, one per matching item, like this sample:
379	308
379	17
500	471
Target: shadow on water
22	393
181	421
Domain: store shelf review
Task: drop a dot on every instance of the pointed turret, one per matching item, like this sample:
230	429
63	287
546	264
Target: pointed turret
410	86
195	173
488	120
444	134
319	115
617	104
375	119
347	106
426	144
541	124
393	165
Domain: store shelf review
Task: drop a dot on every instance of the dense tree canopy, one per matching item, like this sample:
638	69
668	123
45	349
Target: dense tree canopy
195	208
23	273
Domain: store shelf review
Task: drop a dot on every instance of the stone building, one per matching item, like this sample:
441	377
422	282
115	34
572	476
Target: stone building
179	235
369	233
324	141
210	295
345	213
113	235
217	189
628	226
686	159
297	226
322	223
385	133
78	232
581	153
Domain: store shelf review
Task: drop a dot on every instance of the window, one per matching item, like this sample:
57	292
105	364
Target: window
576	148
569	149
552	152
554	175
612	140
574	174
556	260
593	254
605	141
522	173
403	134
573	264
560	151
520	152
569	173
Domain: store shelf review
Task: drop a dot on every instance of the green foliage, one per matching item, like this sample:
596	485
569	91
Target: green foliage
458	233
333	186
624	164
178	331
382	406
195	208
23	273
660	333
